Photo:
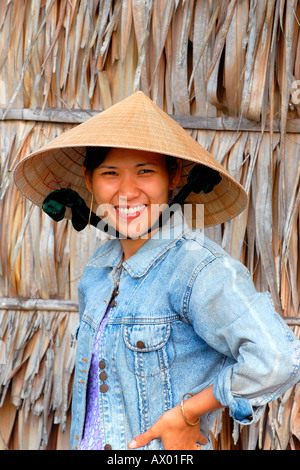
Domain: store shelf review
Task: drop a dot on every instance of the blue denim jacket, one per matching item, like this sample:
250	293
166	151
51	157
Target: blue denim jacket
187	316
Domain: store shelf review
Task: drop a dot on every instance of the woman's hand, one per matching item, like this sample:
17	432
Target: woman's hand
173	431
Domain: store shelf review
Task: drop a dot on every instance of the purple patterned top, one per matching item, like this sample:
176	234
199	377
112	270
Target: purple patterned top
92	432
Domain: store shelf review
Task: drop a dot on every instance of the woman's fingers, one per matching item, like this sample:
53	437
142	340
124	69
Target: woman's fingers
146	437
141	440
174	433
202	439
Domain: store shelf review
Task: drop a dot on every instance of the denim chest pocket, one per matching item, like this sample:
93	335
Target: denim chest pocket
149	349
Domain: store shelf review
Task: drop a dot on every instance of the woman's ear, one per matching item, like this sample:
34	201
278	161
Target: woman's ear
174	180
87	178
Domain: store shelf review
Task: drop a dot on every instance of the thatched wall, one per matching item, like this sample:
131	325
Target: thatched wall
227	71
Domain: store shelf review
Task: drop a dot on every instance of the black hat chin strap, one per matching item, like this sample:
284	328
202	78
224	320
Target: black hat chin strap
200	178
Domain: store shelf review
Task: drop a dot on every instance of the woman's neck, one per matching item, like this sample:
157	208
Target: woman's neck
131	246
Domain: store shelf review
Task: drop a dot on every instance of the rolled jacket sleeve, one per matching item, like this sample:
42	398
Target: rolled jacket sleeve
261	352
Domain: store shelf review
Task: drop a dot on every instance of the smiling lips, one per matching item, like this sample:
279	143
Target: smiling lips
130	212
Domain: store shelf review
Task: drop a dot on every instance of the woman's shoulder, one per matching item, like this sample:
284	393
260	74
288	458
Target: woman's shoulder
107	250
199	251
199	246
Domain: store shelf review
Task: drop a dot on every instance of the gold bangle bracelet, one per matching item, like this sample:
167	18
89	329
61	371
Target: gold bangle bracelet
185	418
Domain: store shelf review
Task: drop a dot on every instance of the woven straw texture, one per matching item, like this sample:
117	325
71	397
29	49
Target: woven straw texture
137	123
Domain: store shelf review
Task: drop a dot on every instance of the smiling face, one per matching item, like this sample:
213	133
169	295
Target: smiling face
131	188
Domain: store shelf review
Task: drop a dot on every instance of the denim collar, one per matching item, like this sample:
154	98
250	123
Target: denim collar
149	253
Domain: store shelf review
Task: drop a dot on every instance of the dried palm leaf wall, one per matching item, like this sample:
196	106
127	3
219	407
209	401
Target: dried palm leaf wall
227	70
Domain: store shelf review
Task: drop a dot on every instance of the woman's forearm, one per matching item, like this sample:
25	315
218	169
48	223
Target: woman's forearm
201	403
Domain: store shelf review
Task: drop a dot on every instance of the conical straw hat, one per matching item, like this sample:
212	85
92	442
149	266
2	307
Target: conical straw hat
137	123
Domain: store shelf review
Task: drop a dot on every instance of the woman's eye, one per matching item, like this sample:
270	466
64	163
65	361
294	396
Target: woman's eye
145	170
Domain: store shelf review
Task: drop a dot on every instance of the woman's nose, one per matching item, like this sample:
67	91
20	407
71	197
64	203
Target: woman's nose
128	187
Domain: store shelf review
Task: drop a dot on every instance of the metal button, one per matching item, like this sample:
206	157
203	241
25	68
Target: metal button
102	365
103	376
107	447
104	388
140	344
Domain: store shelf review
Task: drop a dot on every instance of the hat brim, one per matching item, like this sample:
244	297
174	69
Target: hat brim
135	123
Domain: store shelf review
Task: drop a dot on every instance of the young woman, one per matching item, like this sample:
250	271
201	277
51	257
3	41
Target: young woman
171	327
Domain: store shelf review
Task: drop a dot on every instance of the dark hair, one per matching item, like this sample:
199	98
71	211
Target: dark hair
96	155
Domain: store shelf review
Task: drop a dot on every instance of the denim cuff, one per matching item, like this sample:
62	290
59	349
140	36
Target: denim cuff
240	409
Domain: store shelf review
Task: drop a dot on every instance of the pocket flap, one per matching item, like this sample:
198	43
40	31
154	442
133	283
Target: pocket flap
145	338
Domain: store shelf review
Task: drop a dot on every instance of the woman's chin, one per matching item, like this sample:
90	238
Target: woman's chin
134	229
130	226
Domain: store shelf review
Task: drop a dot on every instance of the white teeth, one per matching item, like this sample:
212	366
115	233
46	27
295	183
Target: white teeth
130	210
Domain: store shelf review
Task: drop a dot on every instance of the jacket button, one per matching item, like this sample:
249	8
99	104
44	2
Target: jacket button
103	376
140	344
102	365
104	388
107	447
